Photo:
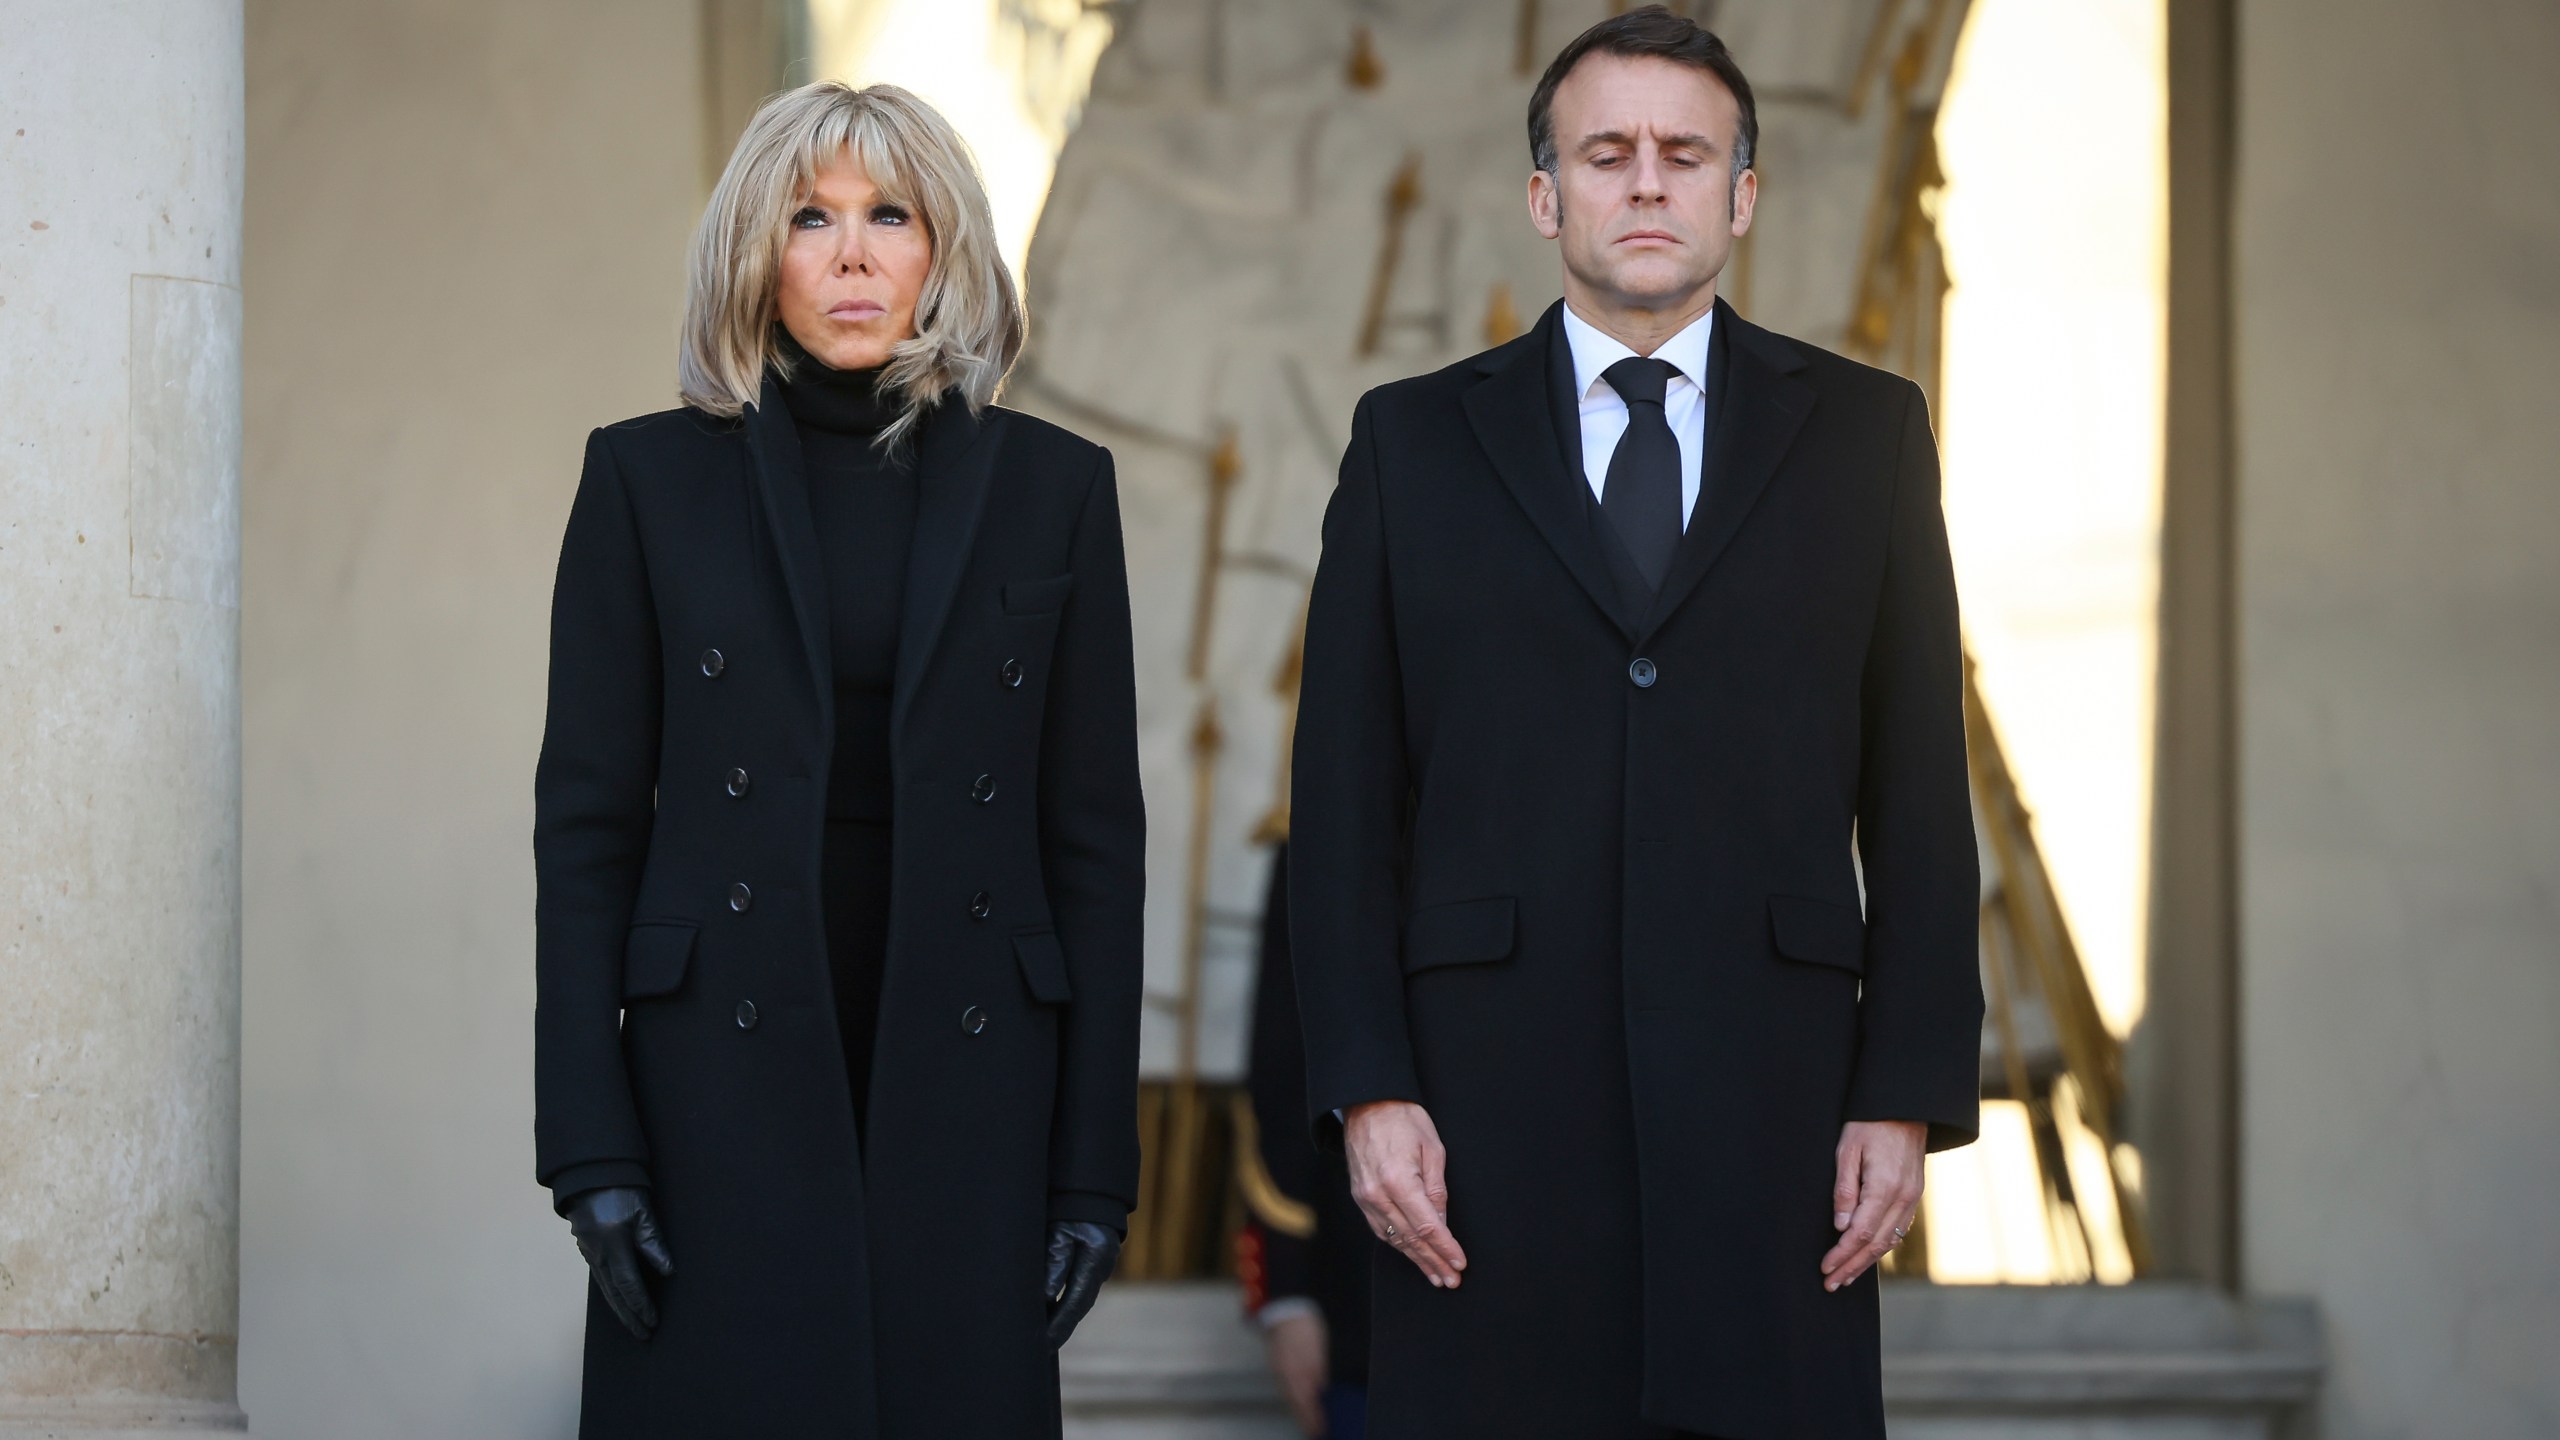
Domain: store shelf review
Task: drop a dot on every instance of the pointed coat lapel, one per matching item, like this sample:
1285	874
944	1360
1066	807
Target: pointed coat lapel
1764	406
773	448
955	468
1513	413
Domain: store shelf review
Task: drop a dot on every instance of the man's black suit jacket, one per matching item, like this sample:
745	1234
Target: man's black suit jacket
1573	868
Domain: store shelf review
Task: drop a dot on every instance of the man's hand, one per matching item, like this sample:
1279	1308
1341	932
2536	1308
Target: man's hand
616	1232
1296	1346
1399	1174
1875	1195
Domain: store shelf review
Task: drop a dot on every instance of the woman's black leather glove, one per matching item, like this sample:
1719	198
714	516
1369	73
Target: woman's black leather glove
1081	1254
616	1232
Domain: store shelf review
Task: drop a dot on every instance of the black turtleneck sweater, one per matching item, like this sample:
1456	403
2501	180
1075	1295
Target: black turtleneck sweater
863	504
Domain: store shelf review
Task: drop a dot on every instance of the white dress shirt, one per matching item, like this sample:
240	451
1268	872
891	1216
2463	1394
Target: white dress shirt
1604	413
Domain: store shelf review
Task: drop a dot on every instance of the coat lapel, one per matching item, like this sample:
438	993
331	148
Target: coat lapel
1514	417
1764	406
773	444
955	468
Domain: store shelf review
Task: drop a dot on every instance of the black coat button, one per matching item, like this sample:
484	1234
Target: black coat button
737	784
1642	672
980	906
984	790
973	1020
746	1014
1013	674
713	662
740	897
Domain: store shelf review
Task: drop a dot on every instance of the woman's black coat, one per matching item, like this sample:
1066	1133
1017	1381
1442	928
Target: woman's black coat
686	1039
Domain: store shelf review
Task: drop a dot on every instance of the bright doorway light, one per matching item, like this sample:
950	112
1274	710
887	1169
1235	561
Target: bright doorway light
2053	139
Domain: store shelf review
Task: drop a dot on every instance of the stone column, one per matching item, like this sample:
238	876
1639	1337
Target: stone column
120	173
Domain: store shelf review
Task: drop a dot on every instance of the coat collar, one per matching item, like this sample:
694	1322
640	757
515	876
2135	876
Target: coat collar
1513	410
773	448
955	468
955	455
1763	407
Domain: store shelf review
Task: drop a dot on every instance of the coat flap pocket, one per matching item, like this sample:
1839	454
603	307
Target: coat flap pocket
1044	966
656	956
1037	597
1469	932
1819	931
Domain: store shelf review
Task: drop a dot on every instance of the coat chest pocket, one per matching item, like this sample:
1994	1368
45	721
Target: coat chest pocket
1038	597
656	957
1466	932
1044	966
1818	932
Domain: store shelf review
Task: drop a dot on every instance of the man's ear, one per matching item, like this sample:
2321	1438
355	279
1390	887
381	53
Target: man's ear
1545	203
1746	196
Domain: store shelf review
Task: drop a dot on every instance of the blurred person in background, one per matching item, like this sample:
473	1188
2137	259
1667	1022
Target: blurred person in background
1630	641
837	829
1305	1266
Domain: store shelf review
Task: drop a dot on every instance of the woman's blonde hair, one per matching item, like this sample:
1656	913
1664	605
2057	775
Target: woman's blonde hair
969	322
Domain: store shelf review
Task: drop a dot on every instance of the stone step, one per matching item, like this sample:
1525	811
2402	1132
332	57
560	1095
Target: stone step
2134	1362
1169	1361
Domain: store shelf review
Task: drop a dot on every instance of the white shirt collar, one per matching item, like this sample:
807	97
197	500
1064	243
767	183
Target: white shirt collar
1595	350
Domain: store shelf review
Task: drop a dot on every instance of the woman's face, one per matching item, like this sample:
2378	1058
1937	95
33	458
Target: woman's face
851	270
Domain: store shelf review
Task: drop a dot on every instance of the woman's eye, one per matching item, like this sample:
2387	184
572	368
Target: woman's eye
809	218
888	215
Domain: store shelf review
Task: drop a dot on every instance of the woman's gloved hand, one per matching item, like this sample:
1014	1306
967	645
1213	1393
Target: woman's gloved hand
1081	1254
616	1232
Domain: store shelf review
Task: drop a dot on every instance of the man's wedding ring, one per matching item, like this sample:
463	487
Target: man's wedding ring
1391	1232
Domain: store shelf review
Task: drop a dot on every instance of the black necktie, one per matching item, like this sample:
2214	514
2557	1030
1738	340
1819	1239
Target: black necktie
1641	495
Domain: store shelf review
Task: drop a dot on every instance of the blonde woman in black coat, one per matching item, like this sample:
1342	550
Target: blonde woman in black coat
837	829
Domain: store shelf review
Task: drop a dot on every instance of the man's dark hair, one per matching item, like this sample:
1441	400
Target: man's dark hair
1650	31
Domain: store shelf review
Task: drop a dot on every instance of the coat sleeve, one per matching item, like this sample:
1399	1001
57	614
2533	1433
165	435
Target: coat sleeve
594	803
1920	1015
1347	809
1093	843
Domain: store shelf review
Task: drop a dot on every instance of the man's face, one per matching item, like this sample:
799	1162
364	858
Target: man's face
1643	198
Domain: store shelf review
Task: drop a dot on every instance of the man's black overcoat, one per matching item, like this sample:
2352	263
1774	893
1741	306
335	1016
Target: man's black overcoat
1572	867
685	1037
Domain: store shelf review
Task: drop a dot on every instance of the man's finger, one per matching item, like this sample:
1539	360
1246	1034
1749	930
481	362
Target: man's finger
1421	1234
1870	1230
1870	1223
1844	1183
1435	1179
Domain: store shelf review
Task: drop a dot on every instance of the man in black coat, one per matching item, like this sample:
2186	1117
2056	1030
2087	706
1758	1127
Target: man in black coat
1633	641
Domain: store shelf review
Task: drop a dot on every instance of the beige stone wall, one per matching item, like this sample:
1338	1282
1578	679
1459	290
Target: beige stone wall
2398	450
119	707
465	245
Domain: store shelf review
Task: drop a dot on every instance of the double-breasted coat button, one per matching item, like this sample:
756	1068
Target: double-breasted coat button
1642	672
737	784
746	1014
980	906
984	790
740	897
713	662
1013	674
973	1020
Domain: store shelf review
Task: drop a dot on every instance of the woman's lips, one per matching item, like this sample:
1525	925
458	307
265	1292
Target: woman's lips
856	310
